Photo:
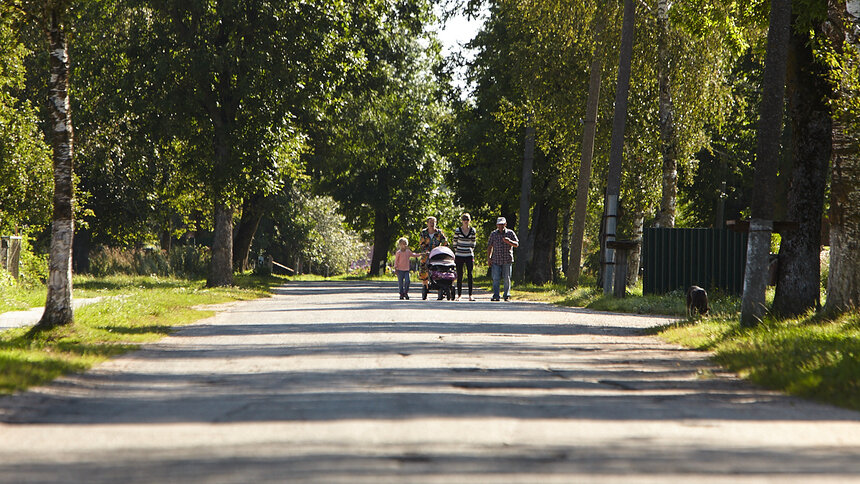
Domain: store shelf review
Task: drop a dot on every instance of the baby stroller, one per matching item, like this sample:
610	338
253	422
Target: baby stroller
442	273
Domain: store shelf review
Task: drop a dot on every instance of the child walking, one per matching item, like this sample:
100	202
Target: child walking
401	266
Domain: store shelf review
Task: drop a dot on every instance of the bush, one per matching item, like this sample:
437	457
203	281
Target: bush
187	261
190	261
33	267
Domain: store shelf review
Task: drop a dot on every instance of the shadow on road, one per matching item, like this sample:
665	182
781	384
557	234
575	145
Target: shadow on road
297	361
610	372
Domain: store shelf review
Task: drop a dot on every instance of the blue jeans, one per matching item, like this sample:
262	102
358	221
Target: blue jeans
403	282
501	271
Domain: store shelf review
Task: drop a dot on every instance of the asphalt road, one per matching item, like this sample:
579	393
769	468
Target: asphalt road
343	382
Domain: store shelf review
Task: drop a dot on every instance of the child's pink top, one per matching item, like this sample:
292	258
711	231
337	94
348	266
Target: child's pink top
401	259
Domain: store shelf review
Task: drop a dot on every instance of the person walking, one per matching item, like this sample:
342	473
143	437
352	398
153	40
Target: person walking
465	238
431	237
500	252
401	266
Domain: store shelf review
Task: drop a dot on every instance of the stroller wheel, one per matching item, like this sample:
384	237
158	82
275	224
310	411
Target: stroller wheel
424	292
451	293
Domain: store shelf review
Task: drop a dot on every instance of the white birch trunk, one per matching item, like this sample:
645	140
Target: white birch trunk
666	113
58	305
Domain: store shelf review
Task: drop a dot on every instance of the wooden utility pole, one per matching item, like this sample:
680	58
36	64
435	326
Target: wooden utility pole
616	147
767	160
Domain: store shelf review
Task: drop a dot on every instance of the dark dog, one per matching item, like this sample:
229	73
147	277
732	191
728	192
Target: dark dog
697	301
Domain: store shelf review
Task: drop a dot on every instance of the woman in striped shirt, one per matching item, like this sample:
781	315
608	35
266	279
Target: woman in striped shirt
464	252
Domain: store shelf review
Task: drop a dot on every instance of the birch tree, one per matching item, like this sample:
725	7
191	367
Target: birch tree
54	19
668	151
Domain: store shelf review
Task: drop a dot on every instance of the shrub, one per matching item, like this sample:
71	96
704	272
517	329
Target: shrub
182	261
33	267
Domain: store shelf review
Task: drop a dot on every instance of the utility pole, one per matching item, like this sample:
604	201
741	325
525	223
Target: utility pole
616	147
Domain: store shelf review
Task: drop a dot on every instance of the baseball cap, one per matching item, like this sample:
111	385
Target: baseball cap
501	220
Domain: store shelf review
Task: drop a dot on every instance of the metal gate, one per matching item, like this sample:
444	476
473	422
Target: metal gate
679	258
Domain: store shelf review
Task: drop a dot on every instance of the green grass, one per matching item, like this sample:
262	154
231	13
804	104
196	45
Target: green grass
809	356
18	298
149	309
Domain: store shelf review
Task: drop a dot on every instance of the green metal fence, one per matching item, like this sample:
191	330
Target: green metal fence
679	258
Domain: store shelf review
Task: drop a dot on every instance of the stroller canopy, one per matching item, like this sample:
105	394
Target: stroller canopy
442	255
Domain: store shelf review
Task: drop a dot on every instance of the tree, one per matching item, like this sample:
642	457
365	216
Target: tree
240	100
308	232
378	156
798	286
130	144
53	18
666	214
843	288
767	154
584	179
613	183
524	254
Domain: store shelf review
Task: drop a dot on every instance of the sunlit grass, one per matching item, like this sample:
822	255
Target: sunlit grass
143	310
19	297
808	356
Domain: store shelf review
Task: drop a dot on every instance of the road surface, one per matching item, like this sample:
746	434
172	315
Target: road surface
335	382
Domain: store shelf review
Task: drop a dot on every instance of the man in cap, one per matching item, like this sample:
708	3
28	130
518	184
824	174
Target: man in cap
500	251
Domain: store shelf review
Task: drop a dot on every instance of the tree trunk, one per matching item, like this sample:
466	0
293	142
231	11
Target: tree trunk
524	253
546	231
382	240
767	160
798	285
635	256
252	212
843	286
166	239
668	145
58	305
616	148
565	238
221	266
583	183
81	251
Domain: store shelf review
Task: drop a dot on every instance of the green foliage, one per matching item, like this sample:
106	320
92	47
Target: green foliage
33	266
730	154
311	229
379	154
25	163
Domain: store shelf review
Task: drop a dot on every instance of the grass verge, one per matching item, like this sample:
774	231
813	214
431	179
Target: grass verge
808	357
147	310
811	357
19	298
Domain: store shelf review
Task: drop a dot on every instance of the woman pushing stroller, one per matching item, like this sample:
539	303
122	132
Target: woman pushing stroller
430	238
